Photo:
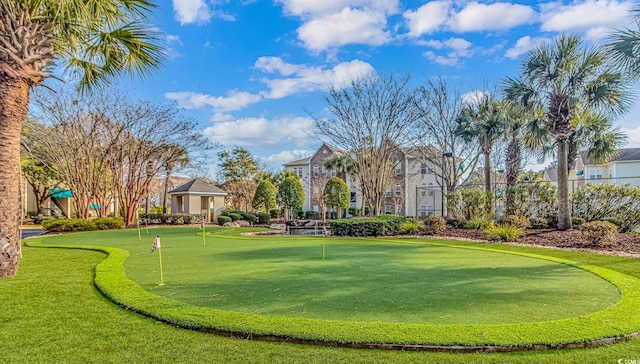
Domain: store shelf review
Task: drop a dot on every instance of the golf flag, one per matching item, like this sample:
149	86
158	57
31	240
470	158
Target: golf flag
156	244
202	225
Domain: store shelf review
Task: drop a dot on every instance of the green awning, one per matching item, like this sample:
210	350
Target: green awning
60	193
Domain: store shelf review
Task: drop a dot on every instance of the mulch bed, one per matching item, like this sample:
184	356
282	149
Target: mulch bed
624	244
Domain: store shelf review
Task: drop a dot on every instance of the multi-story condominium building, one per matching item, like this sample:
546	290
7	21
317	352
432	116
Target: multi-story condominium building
414	189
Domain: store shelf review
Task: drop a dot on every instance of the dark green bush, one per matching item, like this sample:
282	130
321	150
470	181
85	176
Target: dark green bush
263	217
68	225
409	226
223	219
354	211
619	205
171	219
434	224
247	216
109	223
275	213
599	232
454	223
577	221
234	216
312	215
476	223
373	226
539	223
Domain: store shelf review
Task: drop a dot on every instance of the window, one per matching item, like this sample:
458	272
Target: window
595	173
300	172
399	168
333	173
430	168
398	191
388	194
423	190
423	168
430	188
315	208
398	210
423	211
324	172
387	209
315	171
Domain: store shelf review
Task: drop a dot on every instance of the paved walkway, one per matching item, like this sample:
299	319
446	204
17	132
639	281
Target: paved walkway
29	231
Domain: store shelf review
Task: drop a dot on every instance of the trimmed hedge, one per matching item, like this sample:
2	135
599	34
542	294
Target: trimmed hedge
248	216
617	321
263	217
109	223
59	225
223	219
373	226
171	219
234	216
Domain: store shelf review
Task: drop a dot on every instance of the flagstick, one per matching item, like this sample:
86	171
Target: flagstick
160	257
204	234
146	225
323	248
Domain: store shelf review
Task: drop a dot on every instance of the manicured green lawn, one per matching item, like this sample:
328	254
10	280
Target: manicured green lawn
51	312
361	280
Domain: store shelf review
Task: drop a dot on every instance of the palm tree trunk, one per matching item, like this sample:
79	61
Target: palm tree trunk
488	202
14	104
564	214
166	191
512	171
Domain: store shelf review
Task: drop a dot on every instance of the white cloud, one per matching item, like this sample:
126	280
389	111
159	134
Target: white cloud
350	26
301	78
287	156
456	48
591	16
477	17
428	18
319	7
236	100
192	11
633	137
524	45
172	41
474	97
260	132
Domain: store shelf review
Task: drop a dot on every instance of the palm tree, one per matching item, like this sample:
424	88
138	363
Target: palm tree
483	122
342	163
624	46
94	40
564	78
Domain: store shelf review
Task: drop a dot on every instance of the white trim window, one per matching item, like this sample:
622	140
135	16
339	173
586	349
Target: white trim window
430	189
399	168
595	173
315	170
388	192
387	209
398	190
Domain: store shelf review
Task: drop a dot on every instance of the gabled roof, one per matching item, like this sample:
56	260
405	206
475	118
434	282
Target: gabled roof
623	155
328	146
552	174
299	162
199	186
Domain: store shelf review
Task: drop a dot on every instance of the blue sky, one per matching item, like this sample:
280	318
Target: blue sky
251	71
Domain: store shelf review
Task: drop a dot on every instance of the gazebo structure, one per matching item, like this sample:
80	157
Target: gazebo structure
198	196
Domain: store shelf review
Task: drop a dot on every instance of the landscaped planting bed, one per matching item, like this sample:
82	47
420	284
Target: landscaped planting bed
615	318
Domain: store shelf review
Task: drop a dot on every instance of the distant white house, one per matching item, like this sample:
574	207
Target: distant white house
623	169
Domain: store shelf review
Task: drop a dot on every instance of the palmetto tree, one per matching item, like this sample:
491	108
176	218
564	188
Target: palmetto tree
93	40
565	78
483	121
624	46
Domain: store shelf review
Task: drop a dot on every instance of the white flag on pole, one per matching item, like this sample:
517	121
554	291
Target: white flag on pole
156	244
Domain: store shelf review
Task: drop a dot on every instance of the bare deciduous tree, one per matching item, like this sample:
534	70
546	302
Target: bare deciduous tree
371	119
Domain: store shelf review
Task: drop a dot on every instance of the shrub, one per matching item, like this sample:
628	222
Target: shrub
263	217
68	225
223	219
539	223
275	213
354	211
504	232
519	221
476	223
234	216
409	226
454	223
577	221
607	202
312	215
367	209
598	232
434	224
373	226
226	212
247	216
109	223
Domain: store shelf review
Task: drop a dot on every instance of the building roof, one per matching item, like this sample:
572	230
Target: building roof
199	186
303	161
623	155
552	174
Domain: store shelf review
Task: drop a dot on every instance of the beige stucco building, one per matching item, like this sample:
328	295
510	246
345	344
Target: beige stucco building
198	196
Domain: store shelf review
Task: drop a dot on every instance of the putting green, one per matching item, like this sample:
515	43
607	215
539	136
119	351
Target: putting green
362	279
